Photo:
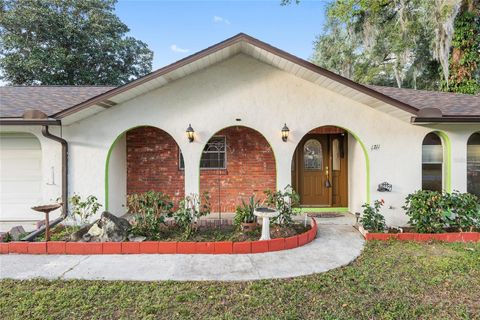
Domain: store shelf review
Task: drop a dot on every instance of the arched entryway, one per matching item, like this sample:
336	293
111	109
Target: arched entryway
330	169
142	159
473	164
236	163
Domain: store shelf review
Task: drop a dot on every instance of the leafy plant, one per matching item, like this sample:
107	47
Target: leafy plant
432	211
462	211
424	208
83	209
284	202
150	210
372	220
244	212
190	210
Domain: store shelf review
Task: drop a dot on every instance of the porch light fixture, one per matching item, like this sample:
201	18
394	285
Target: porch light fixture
285	132
190	133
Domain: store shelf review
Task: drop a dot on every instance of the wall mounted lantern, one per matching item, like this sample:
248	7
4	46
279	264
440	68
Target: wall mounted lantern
285	132
190	132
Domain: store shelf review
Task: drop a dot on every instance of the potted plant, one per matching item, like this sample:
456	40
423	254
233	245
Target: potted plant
244	217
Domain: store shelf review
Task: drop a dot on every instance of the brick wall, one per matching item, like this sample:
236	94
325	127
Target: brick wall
152	163
250	170
326	130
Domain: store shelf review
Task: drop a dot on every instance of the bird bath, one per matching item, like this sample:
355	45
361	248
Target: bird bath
265	214
47	209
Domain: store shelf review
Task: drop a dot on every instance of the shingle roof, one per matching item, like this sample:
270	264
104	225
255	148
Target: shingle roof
451	104
15	100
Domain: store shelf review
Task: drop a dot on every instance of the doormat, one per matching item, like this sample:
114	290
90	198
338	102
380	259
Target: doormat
325	215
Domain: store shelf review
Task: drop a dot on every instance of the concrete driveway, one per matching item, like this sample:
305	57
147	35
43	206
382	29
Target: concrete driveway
337	244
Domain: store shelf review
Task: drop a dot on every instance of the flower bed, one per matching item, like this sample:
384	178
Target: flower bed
160	247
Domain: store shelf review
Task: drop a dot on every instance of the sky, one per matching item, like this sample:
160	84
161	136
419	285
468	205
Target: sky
176	29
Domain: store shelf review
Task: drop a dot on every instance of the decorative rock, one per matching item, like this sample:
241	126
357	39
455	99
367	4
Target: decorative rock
16	232
108	228
133	238
78	235
2	236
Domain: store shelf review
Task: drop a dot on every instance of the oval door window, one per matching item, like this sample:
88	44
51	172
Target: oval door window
312	155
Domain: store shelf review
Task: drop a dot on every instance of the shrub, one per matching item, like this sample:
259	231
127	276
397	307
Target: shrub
190	210
372	220
83	209
150	210
244	212
284	202
425	210
432	211
462	211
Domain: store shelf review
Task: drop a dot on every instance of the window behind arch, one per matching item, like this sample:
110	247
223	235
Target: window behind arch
473	164
432	162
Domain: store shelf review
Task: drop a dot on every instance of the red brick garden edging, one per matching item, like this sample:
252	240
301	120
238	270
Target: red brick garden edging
422	237
160	247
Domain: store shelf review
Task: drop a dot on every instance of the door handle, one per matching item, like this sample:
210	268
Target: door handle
328	184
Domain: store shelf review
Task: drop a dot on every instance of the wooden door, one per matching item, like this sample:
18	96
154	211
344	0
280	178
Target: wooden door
313	166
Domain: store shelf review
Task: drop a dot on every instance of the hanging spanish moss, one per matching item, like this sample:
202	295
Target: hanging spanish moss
445	14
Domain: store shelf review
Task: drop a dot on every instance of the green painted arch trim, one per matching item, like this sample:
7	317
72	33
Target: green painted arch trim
322	209
448	161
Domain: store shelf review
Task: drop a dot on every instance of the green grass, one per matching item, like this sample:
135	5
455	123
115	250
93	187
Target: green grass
390	280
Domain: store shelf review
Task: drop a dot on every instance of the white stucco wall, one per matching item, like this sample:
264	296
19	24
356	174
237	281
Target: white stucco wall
117	177
264	98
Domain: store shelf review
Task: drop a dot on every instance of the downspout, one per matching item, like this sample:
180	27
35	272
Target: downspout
64	144
53	223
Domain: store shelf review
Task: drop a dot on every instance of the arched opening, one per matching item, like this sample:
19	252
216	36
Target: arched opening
236	163
142	159
330	169
20	178
473	164
432	162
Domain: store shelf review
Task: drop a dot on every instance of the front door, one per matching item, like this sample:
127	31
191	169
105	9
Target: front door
313	167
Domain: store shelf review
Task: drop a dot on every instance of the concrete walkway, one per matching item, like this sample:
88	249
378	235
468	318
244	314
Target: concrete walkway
337	244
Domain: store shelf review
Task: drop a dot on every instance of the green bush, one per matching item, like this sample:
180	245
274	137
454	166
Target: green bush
150	210
462	211
372	220
284	202
190	210
433	212
244	212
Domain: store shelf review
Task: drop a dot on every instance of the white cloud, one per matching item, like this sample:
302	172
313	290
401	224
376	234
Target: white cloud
218	19
176	48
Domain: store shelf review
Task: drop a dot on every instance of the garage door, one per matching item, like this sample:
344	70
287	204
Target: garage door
20	179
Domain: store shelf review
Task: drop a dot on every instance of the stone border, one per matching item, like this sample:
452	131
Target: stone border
160	247
423	237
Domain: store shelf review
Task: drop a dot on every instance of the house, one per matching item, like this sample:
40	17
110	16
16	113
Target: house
257	118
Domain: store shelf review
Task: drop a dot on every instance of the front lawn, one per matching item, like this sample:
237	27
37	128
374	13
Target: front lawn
390	280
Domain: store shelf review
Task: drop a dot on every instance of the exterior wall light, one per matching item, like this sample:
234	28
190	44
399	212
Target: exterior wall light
190	132
285	132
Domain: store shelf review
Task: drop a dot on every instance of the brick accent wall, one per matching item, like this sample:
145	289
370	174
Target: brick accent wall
251	169
326	130
152	163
